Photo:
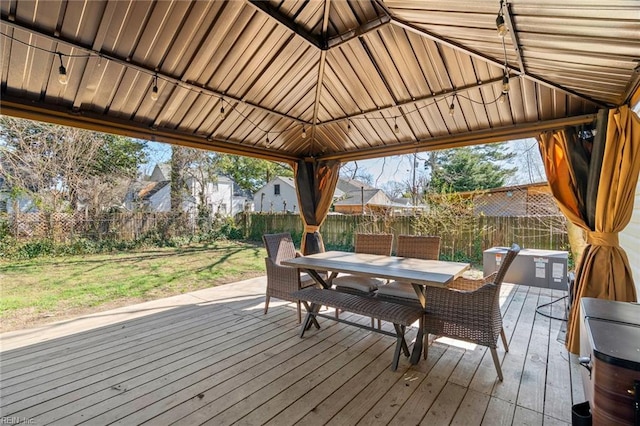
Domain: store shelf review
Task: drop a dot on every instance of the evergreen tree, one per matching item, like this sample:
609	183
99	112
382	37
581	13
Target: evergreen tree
470	168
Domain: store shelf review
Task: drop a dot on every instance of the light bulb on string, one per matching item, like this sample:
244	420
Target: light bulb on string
505	83
349	126
396	129
503	98
268	141
452	109
154	89
501	26
62	72
304	132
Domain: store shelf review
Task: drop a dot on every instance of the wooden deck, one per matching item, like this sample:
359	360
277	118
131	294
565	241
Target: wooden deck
212	357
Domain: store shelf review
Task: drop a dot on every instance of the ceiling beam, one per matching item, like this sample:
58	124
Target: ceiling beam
99	123
475	54
266	8
363	29
321	67
443	94
501	134
514	36
185	84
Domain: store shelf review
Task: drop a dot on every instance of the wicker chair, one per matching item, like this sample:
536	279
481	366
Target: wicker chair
282	280
369	244
470	310
416	246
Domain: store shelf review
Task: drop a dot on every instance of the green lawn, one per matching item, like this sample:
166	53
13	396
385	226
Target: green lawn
47	289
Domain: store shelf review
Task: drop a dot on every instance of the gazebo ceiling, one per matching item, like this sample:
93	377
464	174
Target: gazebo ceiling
359	79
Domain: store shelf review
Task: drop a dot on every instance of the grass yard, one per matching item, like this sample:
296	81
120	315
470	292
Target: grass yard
49	289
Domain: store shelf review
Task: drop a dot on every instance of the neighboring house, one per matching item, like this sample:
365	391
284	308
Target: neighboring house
222	195
361	198
533	199
278	195
350	196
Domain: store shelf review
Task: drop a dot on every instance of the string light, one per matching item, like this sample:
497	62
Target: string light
505	83
62	72
500	24
503	97
154	89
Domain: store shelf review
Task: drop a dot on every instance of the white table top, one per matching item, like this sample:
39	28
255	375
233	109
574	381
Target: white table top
417	271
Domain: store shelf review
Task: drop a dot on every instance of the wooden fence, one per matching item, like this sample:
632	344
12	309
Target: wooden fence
65	227
461	240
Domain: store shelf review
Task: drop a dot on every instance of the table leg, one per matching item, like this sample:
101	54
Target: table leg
418	346
310	319
318	278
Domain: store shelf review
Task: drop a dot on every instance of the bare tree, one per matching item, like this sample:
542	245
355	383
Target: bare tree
65	168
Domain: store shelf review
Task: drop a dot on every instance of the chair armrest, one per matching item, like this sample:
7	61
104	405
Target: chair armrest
480	301
467	284
282	269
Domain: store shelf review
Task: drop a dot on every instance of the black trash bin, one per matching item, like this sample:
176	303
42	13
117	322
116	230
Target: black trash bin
581	414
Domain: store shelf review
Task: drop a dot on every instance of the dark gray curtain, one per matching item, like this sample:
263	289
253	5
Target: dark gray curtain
316	182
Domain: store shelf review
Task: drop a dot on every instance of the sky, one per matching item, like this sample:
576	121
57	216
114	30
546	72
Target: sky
398	168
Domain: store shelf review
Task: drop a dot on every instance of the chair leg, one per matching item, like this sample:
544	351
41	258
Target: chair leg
266	304
504	340
496	361
299	312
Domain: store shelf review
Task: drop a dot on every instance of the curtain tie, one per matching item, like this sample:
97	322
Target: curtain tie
311	228
609	239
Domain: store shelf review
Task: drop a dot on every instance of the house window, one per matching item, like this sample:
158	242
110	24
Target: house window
276	189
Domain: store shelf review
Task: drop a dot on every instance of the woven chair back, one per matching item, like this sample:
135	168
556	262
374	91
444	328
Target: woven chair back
419	246
374	244
279	246
506	262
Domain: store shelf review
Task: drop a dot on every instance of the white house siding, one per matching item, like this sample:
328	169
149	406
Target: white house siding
219	196
161	200
272	202
630	240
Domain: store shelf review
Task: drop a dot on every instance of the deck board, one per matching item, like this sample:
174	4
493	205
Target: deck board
212	357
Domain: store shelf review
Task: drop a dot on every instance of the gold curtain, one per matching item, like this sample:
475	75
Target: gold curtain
316	182
604	269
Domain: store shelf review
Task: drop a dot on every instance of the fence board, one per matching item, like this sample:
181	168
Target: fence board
463	238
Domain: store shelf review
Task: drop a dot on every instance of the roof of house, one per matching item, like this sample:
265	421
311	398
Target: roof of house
355	198
348	185
151	189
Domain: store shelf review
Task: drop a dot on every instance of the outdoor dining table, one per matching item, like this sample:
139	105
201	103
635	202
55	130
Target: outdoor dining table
419	272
